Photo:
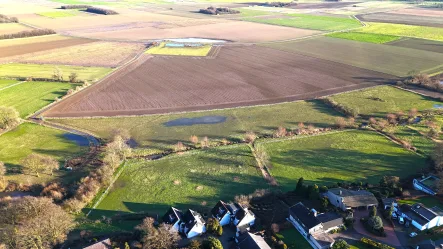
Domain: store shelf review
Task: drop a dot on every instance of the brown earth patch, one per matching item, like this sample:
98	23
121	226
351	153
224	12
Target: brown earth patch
325	5
421	44
239	76
12	50
419	12
409	19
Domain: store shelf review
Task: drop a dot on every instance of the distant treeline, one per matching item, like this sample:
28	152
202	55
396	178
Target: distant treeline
66	7
101	11
29	33
5	19
280	4
218	11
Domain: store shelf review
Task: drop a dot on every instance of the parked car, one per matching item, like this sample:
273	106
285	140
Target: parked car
413	234
401	220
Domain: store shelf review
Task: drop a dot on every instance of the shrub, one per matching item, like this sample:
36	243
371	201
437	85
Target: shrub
280	4
78	6
28	33
280	132
218	11
6	19
9	118
101	11
375	244
250	137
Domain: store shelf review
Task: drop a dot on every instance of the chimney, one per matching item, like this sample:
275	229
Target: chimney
314	212
341	192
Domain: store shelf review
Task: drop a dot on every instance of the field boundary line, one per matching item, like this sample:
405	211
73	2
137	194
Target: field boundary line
104	194
419	93
18	83
268	141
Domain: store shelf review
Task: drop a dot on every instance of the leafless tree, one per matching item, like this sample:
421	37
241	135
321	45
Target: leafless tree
340	122
280	132
9	118
194	139
180	146
392	118
73	77
57	74
158	238
412	113
37	163
250	137
205	142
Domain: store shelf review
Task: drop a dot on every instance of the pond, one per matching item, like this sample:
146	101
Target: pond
196	121
79	140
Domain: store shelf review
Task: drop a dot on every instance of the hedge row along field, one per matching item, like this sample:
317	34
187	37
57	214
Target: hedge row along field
28	33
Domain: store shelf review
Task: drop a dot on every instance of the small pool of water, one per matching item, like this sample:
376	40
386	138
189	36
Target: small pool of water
195	40
79	140
196	121
438	106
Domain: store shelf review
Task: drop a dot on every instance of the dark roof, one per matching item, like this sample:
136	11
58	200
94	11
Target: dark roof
191	218
233	207
388	201
330	220
406	209
423	211
355	198
172	216
427	244
242	212
304	215
220	210
104	244
251	241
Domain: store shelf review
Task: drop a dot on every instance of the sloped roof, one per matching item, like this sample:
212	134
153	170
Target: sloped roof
251	241
423	211
242	212
220	209
104	244
191	218
172	216
305	215
330	219
355	198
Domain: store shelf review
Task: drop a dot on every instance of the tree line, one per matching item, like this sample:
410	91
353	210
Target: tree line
6	19
28	33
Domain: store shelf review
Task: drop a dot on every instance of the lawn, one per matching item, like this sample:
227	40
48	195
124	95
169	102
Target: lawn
430	33
6	83
195	180
428	201
46	71
365	37
293	239
423	144
381	100
153	135
162	49
30	97
398	61
58	14
31	138
351	156
326	23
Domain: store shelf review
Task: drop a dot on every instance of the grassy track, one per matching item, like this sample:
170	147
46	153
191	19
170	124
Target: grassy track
392	60
5	83
325	23
185	181
29	97
382	100
430	33
151	133
351	156
58	14
29	138
46	71
365	37
185	51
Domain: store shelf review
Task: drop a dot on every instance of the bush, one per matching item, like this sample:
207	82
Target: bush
280	4
101	11
28	33
374	244
340	108
6	19
218	11
78	6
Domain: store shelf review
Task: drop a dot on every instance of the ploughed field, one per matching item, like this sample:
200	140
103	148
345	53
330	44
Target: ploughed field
433	21
238	76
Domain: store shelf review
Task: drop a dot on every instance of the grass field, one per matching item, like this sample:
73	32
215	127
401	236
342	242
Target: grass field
248	12
46	71
191	180
10	28
350	156
423	144
58	14
428	201
29	138
183	51
392	60
325	23
390	100
430	33
151	133
293	239
6	83
28	97
365	37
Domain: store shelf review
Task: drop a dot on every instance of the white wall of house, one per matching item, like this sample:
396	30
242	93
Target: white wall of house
197	230
176	226
419	187
336	200
225	220
247	220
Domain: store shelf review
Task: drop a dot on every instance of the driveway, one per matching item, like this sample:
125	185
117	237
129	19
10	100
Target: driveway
391	236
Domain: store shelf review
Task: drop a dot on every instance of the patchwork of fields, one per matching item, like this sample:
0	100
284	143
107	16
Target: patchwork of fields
9	28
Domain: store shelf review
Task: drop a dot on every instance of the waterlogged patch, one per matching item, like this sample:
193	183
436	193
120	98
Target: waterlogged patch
196	121
79	140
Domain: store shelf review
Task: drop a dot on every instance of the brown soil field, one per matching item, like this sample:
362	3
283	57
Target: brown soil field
30	46
419	12
409	19
238	76
99	54
428	45
229	30
10	28
324	5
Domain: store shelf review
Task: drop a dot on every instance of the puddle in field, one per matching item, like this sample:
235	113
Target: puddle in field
196	121
79	140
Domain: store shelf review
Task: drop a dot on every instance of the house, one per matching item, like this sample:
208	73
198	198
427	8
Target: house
222	213
104	244
314	226
251	241
243	218
192	224
430	244
427	184
388	203
420	216
346	199
173	217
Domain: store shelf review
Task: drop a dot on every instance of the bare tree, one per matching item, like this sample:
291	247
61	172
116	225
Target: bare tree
392	118
250	137
412	113
194	139
73	77
205	142
180	146
119	147
340	122
372	121
9	118
37	163
162	237
57	74
280	132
